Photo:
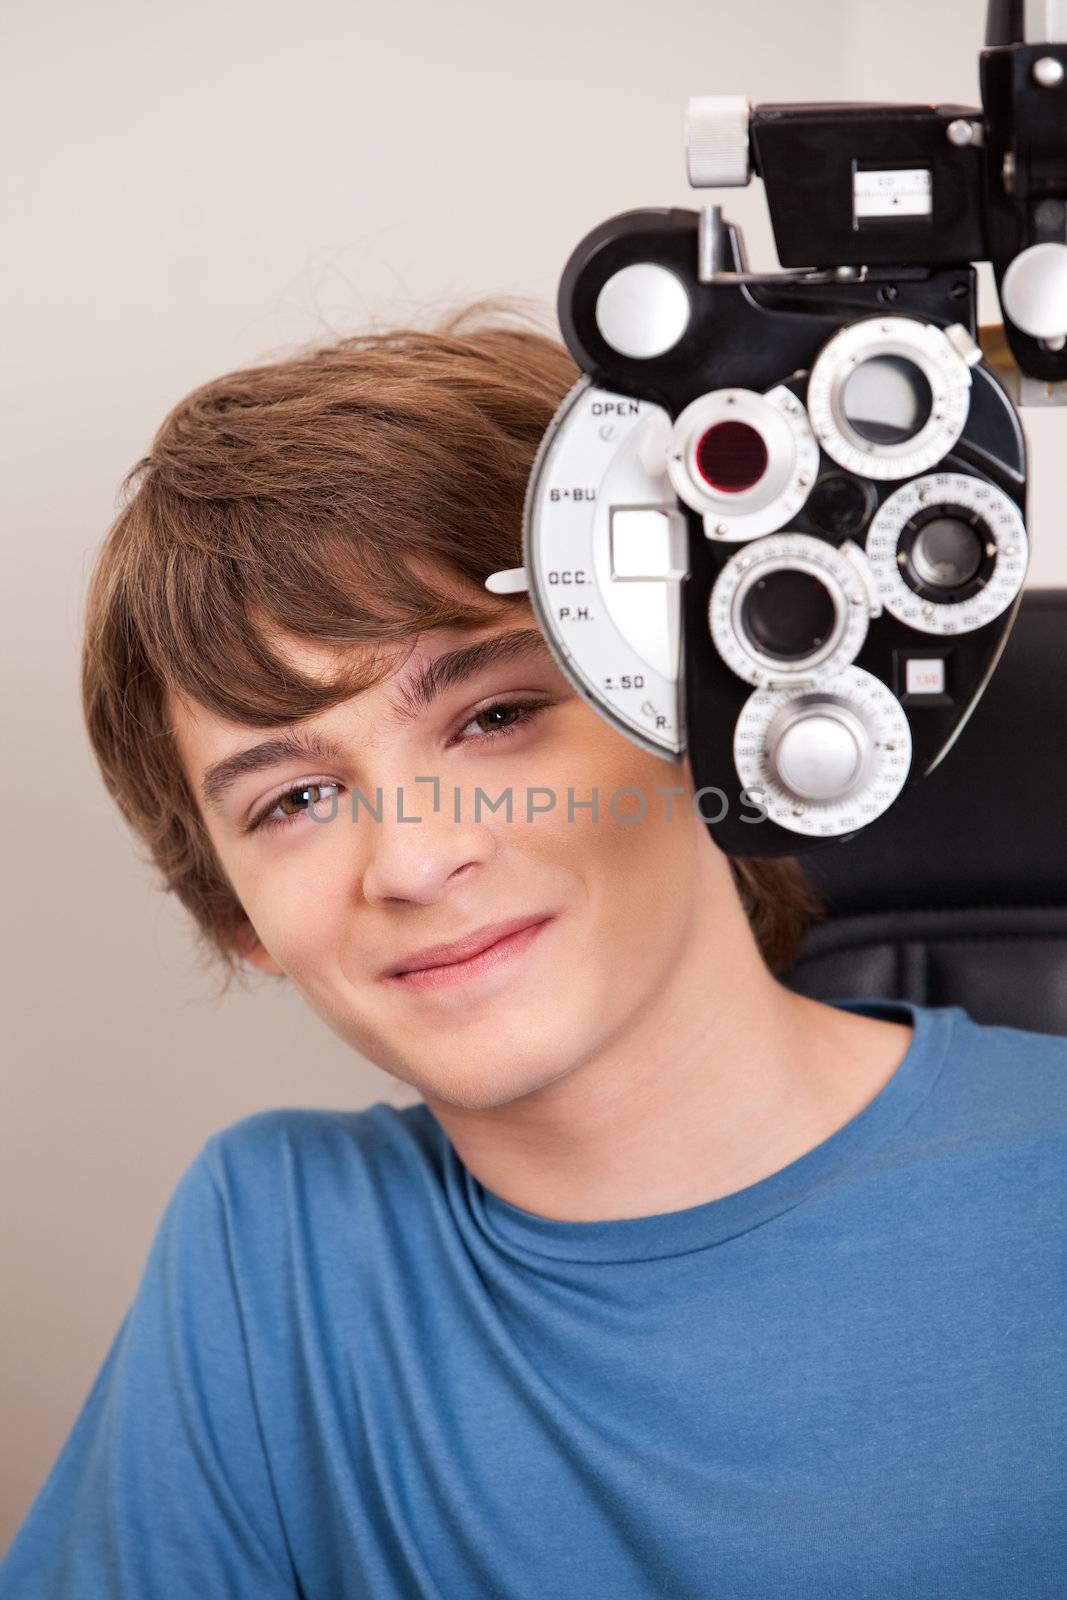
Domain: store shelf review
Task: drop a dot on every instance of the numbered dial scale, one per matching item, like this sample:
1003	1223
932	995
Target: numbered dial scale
605	550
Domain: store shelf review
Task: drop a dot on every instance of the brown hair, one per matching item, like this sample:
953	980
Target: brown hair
333	496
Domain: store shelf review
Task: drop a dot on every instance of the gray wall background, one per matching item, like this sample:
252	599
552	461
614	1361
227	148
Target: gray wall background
188	189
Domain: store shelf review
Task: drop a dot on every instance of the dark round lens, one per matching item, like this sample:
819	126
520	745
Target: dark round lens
732	457
788	614
841	504
946	552
887	400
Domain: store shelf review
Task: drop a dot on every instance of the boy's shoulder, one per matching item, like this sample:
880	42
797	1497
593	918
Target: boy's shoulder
1005	1044
1017	1076
982	1084
302	1184
298	1140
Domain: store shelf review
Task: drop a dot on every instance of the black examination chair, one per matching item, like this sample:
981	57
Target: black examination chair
958	894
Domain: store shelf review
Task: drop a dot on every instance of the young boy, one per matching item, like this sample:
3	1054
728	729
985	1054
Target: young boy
676	1283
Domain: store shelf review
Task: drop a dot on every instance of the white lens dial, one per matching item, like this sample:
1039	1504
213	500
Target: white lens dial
999	535
888	397
828	761
829	587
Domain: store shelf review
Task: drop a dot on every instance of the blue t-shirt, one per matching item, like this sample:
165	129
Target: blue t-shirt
350	1370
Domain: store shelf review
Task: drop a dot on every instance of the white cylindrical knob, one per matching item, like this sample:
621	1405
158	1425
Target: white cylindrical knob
818	751
1033	291
716	141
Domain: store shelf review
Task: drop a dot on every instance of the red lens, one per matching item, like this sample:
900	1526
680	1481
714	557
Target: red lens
732	457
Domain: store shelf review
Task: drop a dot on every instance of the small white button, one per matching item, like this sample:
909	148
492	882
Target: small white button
643	310
647	543
925	677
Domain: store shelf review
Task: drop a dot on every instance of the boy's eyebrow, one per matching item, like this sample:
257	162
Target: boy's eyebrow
426	684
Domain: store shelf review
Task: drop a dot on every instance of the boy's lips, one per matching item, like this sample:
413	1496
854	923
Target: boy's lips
471	944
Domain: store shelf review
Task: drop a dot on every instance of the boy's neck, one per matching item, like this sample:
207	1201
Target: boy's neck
725	1079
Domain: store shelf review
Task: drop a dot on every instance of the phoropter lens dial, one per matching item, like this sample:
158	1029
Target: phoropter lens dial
824	762
791	607
949	553
745	461
888	397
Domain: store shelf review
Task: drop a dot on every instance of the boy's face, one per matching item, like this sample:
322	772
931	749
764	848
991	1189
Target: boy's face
336	902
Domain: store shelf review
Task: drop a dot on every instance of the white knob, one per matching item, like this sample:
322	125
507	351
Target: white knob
1048	72
818	751
1033	291
716	140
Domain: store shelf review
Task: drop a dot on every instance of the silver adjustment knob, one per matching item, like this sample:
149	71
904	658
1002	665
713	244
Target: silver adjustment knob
1033	291
824	762
716	141
819	749
642	310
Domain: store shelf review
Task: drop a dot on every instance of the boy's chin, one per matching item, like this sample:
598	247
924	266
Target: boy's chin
490	1089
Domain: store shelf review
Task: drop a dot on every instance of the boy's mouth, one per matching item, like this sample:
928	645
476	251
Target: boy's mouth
463	950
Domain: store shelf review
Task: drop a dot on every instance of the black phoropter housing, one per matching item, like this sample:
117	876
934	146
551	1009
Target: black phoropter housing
753	332
998	174
880	213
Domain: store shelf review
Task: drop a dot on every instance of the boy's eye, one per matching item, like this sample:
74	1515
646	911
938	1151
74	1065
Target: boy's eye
520	710
277	814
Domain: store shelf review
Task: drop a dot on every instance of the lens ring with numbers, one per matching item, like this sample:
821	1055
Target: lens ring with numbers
964	526
828	761
888	397
788	606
